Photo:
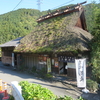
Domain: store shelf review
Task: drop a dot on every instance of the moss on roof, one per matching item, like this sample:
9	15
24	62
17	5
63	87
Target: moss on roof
58	34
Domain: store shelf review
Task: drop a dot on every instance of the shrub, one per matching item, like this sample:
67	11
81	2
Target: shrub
64	98
22	68
96	67
41	72
34	69
68	98
92	85
31	91
11	97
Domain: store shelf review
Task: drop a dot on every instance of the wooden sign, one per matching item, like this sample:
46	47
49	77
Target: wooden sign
48	65
56	64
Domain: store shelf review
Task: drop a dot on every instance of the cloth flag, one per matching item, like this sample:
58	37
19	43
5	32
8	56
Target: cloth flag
81	72
48	65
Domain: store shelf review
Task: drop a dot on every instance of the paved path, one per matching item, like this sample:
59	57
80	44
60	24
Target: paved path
58	88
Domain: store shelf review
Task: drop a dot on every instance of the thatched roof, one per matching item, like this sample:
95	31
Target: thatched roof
58	34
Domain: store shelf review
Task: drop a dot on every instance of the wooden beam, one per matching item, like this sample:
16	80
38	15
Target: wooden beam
60	12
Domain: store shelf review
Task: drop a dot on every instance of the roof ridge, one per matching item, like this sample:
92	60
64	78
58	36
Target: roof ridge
70	9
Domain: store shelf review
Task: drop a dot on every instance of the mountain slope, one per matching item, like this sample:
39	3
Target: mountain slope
21	22
17	23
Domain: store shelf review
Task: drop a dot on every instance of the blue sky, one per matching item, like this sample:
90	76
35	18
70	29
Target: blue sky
10	5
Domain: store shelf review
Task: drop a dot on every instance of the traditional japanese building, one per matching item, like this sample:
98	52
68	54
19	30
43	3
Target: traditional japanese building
59	38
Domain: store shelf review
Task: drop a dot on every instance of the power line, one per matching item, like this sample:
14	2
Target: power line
17	5
62	4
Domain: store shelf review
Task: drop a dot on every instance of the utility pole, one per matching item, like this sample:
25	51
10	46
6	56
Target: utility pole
39	4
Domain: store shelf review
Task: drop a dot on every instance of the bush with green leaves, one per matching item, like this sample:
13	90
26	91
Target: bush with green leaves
31	91
92	85
64	98
68	98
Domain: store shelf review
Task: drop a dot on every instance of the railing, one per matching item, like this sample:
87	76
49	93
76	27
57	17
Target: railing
3	85
15	90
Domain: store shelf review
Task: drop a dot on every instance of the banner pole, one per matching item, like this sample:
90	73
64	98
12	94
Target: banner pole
85	90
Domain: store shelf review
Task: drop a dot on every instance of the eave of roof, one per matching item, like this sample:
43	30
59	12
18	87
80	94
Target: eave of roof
12	43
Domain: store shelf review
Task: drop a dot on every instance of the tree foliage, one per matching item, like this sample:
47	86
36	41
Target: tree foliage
22	21
17	23
95	55
90	14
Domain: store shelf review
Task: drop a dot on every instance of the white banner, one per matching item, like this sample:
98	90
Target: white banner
48	65
13	59
81	72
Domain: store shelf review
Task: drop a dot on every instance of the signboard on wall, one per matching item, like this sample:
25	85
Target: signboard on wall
66	59
56	64
48	65
71	65
53	61
42	59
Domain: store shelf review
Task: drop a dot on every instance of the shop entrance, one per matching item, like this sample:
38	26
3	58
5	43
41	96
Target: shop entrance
65	67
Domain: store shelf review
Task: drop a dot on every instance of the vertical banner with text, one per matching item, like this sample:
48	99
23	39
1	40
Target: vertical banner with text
13	59
81	72
48	65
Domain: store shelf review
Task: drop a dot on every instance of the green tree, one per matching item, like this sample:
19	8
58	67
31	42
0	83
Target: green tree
95	55
17	23
90	14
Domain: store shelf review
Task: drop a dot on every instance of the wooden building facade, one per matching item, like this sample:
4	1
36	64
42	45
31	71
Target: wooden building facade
52	63
7	55
7	49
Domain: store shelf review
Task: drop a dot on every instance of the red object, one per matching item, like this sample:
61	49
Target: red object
1	91
5	95
5	91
